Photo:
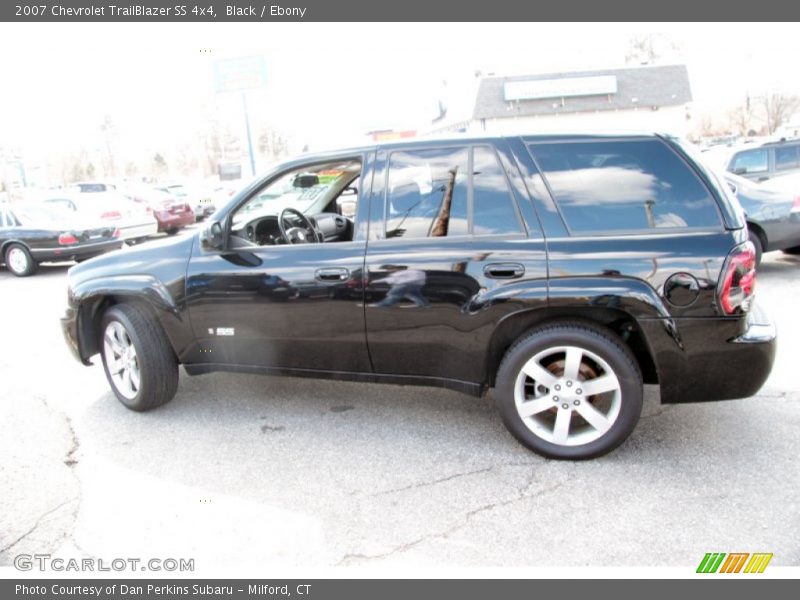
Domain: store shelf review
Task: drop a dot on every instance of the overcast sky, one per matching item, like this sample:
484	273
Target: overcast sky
327	82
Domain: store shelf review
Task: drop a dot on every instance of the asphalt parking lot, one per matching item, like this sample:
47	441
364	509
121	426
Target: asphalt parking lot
252	472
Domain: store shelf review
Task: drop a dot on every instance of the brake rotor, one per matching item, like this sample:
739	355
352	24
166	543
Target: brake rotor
584	371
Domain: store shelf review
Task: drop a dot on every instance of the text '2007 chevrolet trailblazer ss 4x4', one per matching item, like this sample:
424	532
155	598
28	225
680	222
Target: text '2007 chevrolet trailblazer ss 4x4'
564	271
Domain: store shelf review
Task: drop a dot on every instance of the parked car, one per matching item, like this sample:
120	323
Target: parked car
134	221
91	187
33	233
562	271
772	210
771	159
200	200
171	213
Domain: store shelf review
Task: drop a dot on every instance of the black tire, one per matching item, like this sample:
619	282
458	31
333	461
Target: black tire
29	266
793	250
172	231
156	361
594	340
755	239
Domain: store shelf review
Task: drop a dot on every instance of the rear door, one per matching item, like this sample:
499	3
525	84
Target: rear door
453	246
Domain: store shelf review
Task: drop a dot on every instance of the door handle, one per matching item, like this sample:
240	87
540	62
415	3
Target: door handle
332	274
504	270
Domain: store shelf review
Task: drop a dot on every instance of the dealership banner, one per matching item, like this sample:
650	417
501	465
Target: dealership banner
383	589
405	10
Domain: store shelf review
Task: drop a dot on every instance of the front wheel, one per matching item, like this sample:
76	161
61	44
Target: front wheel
570	391
137	357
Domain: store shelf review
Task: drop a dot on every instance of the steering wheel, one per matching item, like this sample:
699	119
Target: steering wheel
307	234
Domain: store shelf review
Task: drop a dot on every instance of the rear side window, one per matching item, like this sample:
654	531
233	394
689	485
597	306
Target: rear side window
629	185
493	206
447	192
428	193
751	161
787	157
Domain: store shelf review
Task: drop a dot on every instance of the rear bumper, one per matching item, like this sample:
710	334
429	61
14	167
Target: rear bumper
717	362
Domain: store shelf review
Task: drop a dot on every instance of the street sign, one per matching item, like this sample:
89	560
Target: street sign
240	74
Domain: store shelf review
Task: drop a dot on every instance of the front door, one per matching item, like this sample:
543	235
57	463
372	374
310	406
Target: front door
283	295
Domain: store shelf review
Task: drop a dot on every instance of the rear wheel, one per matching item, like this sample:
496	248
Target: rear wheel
137	357
19	261
569	391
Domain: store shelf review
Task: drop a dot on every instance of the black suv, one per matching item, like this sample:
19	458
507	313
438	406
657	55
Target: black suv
564	271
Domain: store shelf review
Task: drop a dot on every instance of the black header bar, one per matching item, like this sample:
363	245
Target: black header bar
397	11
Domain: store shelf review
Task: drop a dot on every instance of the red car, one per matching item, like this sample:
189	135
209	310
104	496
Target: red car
171	213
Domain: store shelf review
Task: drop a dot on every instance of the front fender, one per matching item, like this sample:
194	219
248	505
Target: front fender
89	299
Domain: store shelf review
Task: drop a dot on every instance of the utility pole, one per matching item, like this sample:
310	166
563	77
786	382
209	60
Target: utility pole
249	135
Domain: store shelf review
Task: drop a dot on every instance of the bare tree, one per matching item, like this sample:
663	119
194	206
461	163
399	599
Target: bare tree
778	109
108	129
742	118
649	48
159	165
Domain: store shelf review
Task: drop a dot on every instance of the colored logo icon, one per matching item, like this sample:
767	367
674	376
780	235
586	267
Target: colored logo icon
734	562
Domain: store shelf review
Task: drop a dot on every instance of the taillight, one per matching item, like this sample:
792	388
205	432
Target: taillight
116	233
796	205
738	280
111	214
65	239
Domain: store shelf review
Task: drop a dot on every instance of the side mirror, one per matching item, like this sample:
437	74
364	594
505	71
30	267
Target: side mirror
740	170
347	206
212	238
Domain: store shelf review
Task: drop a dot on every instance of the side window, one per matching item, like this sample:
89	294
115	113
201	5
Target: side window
787	157
751	161
427	193
630	185
430	193
309	190
493	210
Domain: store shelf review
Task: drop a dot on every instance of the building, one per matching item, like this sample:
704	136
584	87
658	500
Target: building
652	98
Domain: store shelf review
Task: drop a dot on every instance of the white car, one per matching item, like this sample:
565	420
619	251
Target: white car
134	221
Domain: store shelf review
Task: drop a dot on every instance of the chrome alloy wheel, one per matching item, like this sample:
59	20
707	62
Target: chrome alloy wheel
17	260
121	360
567	395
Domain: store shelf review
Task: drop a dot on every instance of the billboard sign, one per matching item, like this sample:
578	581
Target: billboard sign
240	74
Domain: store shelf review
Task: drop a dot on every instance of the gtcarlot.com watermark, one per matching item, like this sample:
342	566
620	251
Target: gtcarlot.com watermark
45	562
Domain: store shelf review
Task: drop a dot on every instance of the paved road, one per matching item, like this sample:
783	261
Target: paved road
255	472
